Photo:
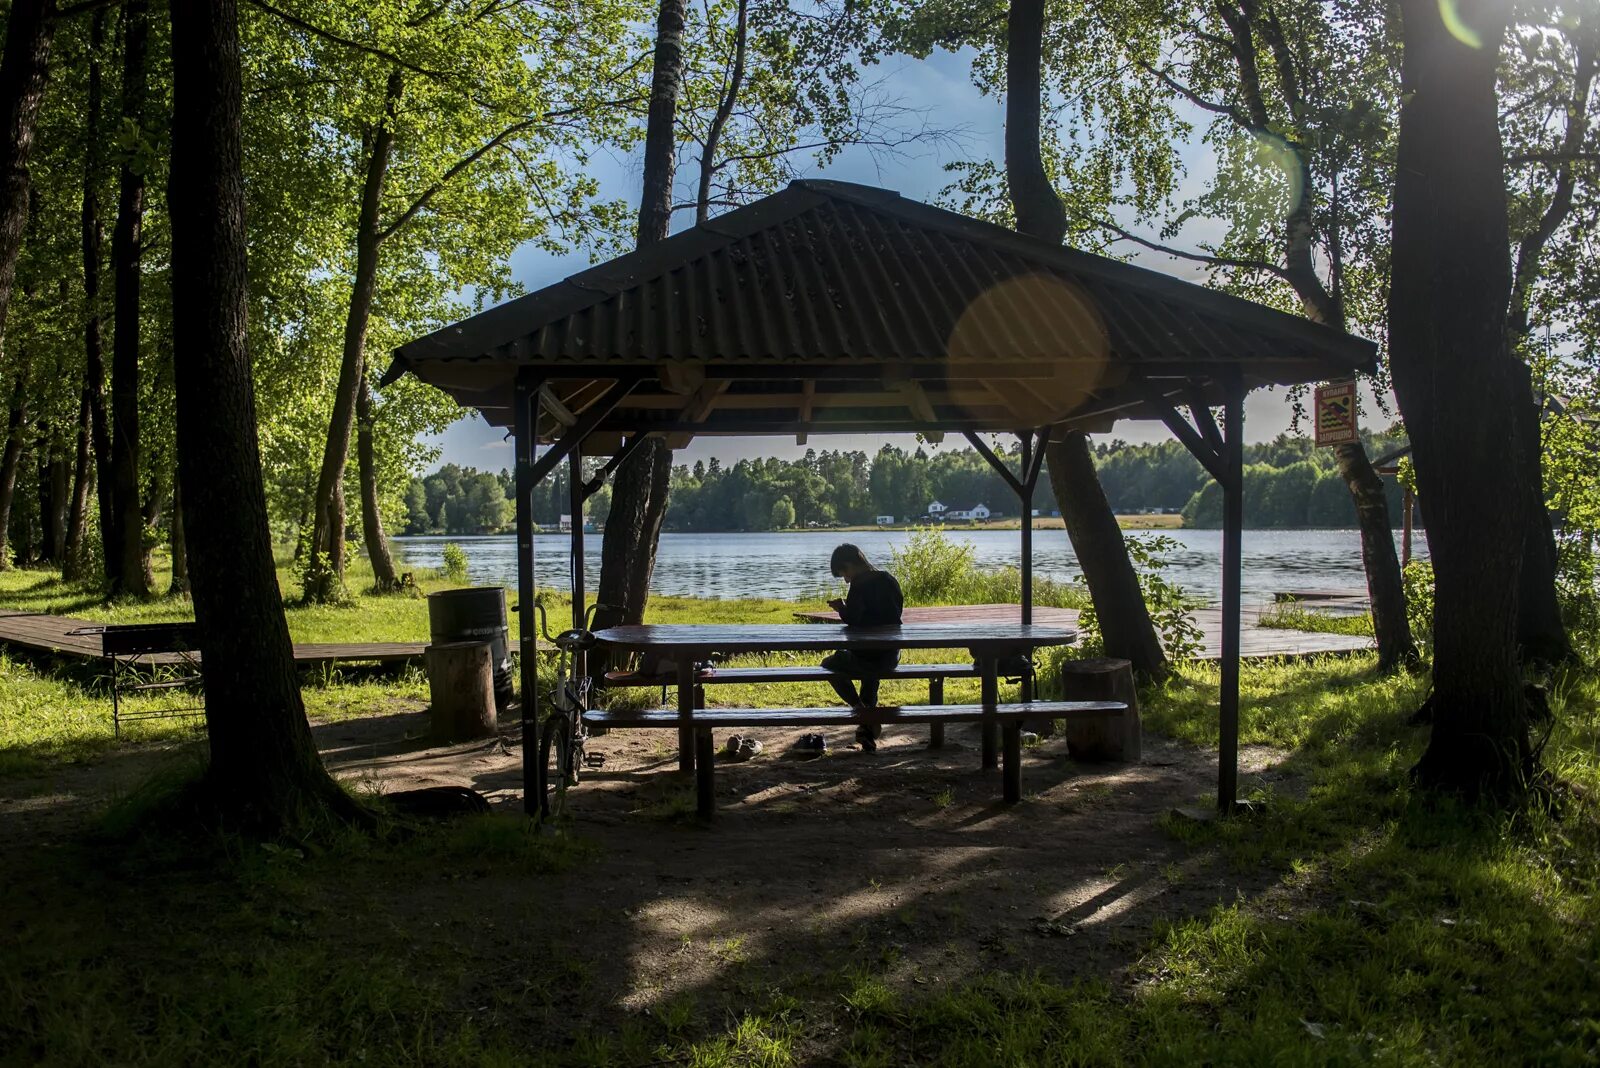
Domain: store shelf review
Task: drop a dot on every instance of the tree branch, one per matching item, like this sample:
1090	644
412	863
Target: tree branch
1197	257
346	42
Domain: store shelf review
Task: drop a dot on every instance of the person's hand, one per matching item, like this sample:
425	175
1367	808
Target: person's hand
837	604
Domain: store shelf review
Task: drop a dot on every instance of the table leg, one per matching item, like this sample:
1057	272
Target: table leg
686	738
704	773
988	666
936	697
1013	762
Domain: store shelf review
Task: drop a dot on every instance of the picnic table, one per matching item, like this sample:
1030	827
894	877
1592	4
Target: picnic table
686	645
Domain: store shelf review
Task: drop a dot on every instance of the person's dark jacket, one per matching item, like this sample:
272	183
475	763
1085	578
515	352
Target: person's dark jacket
874	600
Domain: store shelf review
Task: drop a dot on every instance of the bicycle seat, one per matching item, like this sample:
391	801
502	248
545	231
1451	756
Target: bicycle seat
575	641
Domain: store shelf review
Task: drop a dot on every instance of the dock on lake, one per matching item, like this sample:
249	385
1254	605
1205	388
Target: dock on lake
39	632
1256	642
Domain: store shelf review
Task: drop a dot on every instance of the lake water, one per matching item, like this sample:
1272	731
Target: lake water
795	564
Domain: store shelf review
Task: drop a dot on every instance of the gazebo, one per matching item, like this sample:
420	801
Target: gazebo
832	308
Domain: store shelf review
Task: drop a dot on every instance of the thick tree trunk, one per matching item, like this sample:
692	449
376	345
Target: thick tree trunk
1453	372
1097	541
640	488
383	573
265	773
72	561
11	460
1385	587
94	367
1092	526
133	573
328	515
24	66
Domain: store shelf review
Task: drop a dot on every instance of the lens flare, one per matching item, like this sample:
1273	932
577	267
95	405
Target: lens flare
1450	12
1274	152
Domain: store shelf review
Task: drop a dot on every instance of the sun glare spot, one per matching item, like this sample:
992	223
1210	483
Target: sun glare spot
1450	12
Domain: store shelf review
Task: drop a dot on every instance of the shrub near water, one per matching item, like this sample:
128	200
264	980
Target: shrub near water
933	569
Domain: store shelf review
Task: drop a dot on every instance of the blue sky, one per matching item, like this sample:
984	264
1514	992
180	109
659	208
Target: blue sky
941	85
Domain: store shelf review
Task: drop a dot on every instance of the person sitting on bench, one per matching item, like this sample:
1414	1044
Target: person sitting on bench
874	600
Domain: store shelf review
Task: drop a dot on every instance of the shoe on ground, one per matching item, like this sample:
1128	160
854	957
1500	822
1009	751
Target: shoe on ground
731	747
749	747
810	746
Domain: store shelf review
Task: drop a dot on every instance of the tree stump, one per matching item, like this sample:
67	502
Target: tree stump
1111	737
461	689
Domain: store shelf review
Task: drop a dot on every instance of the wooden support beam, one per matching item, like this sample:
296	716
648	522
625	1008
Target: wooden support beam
1200	411
681	378
629	447
1209	458
808	396
995	462
552	404
530	474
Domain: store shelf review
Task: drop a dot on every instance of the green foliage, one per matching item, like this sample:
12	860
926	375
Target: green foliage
782	514
1418	581
1163	599
933	568
455	562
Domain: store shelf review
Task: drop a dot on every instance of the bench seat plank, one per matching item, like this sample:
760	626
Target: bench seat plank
794	673
839	716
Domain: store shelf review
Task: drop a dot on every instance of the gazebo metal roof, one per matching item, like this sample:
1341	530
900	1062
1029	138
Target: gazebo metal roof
831	307
837	308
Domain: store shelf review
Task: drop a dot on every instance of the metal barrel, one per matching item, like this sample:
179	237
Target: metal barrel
477	613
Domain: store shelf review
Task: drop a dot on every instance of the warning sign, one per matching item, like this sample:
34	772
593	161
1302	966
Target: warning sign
1336	413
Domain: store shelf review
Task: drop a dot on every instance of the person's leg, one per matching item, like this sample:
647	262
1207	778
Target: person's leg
873	667
842	661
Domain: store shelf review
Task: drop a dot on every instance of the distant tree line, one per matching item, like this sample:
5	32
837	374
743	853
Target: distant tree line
1289	483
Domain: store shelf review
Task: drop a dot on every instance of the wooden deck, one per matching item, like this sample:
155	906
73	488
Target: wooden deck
42	633
1255	641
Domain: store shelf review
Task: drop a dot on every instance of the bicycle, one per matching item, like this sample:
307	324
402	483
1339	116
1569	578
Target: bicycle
563	734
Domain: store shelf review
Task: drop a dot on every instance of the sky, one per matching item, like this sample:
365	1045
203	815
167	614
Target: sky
942	85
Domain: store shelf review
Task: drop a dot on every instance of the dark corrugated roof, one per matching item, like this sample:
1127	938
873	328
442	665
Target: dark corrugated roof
827	273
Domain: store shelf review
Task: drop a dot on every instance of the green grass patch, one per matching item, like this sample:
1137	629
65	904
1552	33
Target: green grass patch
1290	616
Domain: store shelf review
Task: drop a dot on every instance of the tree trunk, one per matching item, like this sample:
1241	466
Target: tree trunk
640	487
94	368
638	503
327	530
1453	372
1385	587
1541	632
180	546
11	460
383	573
72	561
1097	541
1092	526
725	106
53	487
133	573
24	67
265	773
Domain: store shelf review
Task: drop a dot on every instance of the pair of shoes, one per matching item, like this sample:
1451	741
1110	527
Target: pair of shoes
865	739
740	748
812	745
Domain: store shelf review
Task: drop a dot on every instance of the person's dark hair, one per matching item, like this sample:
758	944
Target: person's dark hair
845	556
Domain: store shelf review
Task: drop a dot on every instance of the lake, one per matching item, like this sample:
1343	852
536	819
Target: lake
794	564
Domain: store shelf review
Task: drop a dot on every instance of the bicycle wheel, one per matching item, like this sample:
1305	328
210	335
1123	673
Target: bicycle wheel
555	756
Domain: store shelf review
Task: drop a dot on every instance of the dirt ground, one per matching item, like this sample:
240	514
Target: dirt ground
906	855
901	863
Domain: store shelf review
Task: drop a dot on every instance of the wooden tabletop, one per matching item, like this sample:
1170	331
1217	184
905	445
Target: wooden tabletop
697	639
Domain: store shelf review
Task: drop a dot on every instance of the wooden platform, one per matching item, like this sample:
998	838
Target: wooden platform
43	633
1255	641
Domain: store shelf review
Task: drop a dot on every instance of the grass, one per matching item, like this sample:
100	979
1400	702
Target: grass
1373	925
1290	616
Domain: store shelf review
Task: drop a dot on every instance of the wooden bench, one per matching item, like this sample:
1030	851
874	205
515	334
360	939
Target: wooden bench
935	674
704	720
